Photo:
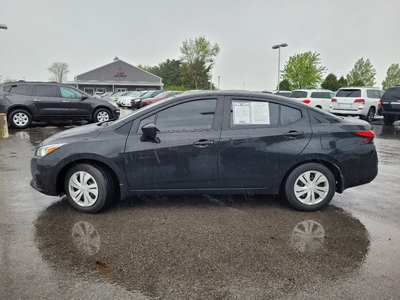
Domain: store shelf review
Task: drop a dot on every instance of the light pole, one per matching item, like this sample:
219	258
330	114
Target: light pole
219	78
279	59
211	65
2	26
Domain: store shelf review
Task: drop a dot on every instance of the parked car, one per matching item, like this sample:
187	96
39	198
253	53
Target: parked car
135	102
317	98
159	97
115	96
24	102
357	101
128	95
283	93
390	105
230	142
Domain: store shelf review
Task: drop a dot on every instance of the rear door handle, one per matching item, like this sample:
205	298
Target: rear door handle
293	133
203	143
36	100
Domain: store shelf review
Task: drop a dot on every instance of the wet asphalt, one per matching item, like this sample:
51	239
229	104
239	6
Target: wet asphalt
198	247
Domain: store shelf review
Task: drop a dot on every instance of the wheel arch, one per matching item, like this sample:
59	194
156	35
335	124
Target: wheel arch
93	162
19	106
340	181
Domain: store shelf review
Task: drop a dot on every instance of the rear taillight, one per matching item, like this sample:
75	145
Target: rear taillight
367	135
333	100
306	101
379	103
361	101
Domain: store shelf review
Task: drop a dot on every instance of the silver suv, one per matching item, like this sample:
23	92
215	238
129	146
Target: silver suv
357	101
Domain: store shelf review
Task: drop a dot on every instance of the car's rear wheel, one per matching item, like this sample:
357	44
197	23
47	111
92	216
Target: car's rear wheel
89	188
389	120
20	118
101	115
310	187
370	115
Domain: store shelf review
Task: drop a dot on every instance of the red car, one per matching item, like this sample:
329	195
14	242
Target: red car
163	95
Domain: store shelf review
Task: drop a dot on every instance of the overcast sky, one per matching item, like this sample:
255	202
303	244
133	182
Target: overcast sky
87	34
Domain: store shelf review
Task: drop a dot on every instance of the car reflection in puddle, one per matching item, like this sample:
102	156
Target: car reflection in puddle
203	247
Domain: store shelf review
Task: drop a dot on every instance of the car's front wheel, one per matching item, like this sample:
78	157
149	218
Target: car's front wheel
20	118
101	115
89	188
310	187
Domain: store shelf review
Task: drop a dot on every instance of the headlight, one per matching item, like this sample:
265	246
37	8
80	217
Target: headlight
44	150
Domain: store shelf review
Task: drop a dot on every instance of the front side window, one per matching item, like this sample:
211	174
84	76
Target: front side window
67	92
193	115
47	91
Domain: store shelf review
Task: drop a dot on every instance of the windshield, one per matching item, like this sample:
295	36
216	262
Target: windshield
349	93
298	94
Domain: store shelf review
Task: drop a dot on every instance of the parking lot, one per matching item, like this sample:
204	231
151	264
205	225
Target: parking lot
198	247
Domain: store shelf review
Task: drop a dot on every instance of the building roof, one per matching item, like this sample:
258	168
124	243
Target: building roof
119	72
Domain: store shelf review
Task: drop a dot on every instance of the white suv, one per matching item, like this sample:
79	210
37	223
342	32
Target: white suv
317	98
357	101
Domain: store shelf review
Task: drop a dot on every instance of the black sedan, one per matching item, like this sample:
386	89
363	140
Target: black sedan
212	142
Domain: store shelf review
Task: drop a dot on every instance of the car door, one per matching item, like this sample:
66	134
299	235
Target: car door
259	142
47	101
185	156
78	103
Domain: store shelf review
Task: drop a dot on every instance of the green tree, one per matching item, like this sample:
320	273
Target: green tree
303	71
330	83
58	72
284	85
170	72
198	57
342	82
392	76
363	73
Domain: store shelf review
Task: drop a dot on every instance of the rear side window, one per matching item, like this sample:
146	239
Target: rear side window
245	112
20	89
289	115
47	91
298	94
391	94
373	94
349	93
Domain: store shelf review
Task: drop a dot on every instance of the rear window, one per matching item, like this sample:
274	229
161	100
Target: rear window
324	95
21	89
391	94
349	93
298	94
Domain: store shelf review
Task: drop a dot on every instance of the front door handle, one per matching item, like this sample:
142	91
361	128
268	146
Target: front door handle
36	100
203	143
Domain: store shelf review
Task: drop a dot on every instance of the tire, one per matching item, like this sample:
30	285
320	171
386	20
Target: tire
89	188
20	118
101	115
388	120
370	115
310	187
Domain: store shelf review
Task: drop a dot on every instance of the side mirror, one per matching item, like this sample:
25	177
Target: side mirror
84	97
150	133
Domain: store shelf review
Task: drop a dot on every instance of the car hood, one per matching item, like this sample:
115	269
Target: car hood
85	132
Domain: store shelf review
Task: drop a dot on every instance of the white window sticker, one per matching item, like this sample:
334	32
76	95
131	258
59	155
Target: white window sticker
245	113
